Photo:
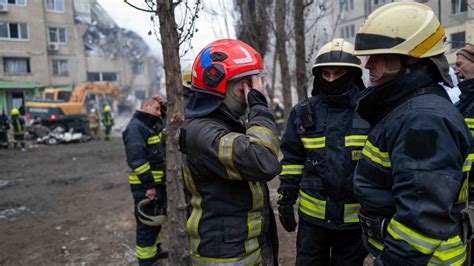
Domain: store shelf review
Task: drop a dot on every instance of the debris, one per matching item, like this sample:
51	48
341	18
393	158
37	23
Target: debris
59	228
83	238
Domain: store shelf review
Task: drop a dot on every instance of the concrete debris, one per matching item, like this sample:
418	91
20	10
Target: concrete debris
59	136
10	213
59	228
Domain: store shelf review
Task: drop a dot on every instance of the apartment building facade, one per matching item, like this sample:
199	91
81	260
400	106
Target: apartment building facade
42	44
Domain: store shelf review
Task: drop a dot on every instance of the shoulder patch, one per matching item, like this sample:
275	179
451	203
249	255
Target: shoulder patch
421	143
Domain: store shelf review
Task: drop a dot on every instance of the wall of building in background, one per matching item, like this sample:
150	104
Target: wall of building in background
67	42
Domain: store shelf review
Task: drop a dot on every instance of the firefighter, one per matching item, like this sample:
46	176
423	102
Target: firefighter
4	127
279	115
145	156
94	124
228	162
321	145
409	180
17	124
108	122
465	72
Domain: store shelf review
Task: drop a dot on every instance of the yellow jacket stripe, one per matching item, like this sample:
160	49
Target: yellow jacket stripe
154	139
145	252
355	140
254	220
157	176
312	206
423	244
469	122
351	212
265	137
141	169
468	163
292	169
314	143
374	154
192	225
225	154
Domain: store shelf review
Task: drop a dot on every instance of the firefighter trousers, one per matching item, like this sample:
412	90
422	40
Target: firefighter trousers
317	245
148	243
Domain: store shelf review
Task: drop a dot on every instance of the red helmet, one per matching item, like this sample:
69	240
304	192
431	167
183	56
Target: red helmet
221	61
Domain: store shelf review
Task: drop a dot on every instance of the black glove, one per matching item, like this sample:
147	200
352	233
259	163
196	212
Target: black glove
287	217
286	198
256	98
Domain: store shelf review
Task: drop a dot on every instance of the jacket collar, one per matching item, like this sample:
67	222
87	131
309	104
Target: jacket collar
149	119
466	86
347	99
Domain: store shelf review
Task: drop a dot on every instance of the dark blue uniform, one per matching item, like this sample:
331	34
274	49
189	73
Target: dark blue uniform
319	161
409	179
145	156
4	127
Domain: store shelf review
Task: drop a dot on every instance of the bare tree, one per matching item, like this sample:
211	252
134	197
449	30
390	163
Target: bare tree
299	30
281	39
252	27
172	35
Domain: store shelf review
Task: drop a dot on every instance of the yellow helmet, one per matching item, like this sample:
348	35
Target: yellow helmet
405	28
107	108
186	77
15	111
337	52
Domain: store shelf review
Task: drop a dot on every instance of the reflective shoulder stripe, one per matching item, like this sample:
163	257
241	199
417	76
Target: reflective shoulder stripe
153	139
253	259
192	225
312	206
468	163
254	219
374	154
450	252
314	143
351	212
292	169
264	136
225	154
355	140
141	169
147	252
423	244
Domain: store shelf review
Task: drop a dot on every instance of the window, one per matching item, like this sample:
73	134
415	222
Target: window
57	35
458	40
378	2
10	30
138	68
55	6
458	6
352	30
101	76
16	65
348	31
348	5
60	67
14	2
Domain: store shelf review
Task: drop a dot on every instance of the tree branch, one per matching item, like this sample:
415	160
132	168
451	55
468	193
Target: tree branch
138	8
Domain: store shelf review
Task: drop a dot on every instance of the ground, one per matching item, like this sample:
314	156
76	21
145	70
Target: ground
71	205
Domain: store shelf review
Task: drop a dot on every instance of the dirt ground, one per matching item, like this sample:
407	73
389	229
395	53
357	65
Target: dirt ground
71	205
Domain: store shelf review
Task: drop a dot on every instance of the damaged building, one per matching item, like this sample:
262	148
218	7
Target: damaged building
65	43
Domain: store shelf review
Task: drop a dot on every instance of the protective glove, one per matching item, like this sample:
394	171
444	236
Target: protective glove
286	198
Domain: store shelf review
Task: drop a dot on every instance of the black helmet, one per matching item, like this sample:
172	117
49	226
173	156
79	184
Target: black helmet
151	213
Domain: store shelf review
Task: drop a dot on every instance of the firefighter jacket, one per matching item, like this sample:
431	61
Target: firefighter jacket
320	160
410	174
227	165
18	125
279	117
466	107
145	153
107	119
4	125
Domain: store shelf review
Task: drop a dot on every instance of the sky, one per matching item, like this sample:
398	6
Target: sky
210	27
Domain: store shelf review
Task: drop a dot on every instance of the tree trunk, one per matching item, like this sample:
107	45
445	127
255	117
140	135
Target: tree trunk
280	17
178	242
301	79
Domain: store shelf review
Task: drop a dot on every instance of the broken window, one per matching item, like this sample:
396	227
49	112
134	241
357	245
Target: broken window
138	68
55	5
10	30
60	67
13	65
57	35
